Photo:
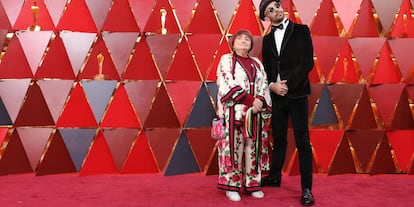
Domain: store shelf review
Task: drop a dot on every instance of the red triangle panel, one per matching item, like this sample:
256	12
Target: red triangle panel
142	65
245	19
120	112
99	159
25	19
77	112
77	18
56	63
324	143
141	158
324	22
402	142
365	25
14	64
204	13
154	24
183	66
183	95
91	68
120	18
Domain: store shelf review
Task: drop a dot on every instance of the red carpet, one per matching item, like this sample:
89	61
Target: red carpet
197	190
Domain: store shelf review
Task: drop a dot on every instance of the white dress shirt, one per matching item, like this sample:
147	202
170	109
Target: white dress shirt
279	34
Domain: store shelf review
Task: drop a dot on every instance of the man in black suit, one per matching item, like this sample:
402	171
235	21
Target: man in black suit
287	53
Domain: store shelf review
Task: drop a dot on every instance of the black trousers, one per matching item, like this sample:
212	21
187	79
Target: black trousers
297	110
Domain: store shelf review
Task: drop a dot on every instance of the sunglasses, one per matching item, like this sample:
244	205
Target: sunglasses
272	9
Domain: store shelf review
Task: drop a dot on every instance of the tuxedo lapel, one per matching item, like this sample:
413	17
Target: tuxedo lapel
273	43
288	32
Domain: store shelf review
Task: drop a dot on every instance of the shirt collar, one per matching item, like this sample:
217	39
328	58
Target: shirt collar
285	22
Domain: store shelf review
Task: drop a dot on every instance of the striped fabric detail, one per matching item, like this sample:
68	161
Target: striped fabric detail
228	188
236	90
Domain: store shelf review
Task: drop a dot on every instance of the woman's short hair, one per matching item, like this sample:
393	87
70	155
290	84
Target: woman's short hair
242	32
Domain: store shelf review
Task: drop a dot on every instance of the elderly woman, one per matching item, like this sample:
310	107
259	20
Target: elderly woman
244	102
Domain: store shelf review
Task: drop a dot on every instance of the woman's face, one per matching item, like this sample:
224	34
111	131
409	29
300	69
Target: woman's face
242	43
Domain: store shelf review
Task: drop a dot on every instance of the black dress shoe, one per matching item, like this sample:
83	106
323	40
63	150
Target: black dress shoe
307	197
270	181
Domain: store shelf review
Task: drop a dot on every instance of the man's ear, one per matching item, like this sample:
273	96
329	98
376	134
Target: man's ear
266	19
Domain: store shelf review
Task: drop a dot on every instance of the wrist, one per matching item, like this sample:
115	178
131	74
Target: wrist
248	100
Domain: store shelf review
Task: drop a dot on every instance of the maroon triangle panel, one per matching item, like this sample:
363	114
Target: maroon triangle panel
213	167
384	163
119	142
34	111
343	162
345	97
364	117
162	142
364	143
202	146
162	113
14	159
56	159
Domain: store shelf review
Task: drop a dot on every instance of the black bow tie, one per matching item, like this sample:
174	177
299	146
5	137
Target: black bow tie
275	27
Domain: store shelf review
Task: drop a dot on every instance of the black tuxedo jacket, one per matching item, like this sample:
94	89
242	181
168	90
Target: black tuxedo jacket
294	62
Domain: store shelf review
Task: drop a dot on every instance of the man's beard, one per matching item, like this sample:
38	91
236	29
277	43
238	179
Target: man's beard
278	19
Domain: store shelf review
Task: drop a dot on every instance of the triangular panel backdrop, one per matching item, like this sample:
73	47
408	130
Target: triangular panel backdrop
128	86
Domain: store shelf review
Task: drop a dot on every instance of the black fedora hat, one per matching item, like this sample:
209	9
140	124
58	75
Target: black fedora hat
262	6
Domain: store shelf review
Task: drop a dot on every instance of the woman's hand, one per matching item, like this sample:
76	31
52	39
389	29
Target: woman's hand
257	105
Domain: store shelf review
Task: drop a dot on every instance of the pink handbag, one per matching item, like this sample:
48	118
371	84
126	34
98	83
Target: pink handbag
217	128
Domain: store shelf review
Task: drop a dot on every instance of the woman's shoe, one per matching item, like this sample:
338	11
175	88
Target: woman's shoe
233	195
258	194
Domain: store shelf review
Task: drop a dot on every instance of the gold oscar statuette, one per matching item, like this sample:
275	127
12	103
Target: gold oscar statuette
35	11
163	18
100	75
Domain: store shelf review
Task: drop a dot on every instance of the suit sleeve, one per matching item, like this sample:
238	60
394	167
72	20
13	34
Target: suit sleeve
306	63
267	59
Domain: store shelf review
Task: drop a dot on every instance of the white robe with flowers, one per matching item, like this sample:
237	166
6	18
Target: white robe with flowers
233	84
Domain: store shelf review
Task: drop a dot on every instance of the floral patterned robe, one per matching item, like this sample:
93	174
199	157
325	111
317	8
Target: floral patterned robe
234	84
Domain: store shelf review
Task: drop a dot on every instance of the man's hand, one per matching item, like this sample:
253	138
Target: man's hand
280	88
